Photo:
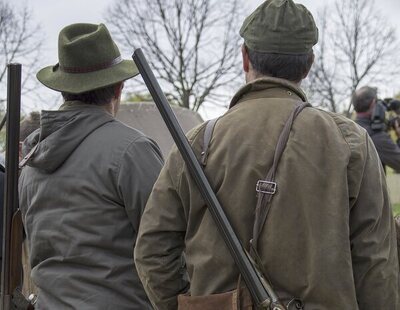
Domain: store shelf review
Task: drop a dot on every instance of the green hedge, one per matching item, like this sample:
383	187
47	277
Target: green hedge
396	208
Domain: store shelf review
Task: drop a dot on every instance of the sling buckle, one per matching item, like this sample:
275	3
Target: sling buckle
266	187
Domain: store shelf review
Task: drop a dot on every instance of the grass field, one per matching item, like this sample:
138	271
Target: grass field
396	208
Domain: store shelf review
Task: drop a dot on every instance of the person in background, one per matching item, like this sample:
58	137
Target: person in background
364	101
27	126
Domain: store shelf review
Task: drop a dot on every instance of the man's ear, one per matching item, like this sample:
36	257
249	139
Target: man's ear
246	60
311	62
372	105
118	90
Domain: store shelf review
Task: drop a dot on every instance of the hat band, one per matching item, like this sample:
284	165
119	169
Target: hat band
104	65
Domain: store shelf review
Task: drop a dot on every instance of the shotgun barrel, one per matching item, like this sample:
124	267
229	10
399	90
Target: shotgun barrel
262	293
11	180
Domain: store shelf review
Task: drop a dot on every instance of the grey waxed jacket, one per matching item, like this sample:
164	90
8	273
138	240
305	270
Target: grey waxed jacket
82	195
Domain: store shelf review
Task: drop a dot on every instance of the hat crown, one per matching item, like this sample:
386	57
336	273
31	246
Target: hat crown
86	45
88	60
280	26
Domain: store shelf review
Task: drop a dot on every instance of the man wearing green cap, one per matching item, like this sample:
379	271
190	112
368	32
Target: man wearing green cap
320	222
86	180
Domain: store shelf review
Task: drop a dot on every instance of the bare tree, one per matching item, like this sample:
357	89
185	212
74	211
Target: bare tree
192	45
20	41
356	46
321	81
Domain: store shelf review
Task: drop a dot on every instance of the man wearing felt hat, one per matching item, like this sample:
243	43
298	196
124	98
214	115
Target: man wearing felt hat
85	181
303	189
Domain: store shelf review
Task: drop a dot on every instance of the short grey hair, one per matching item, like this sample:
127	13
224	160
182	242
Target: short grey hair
289	67
363	97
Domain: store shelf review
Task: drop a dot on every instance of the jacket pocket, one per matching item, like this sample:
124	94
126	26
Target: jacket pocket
231	300
228	301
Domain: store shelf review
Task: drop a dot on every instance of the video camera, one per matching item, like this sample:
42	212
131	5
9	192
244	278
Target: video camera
378	117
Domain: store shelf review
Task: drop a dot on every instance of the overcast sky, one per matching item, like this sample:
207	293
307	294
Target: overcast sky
53	15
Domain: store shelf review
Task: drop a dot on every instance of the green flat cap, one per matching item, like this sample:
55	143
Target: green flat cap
280	26
88	59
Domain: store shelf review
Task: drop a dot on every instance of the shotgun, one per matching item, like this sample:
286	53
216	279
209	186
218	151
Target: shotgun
11	271
261	291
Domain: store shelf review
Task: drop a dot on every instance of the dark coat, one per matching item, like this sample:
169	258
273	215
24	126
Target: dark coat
388	151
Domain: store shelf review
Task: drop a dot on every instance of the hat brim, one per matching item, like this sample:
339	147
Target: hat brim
76	83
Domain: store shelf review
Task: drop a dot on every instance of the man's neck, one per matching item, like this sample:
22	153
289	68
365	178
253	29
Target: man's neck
109	108
251	76
363	115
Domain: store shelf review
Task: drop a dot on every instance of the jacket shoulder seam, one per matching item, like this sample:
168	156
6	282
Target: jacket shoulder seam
339	127
119	163
193	136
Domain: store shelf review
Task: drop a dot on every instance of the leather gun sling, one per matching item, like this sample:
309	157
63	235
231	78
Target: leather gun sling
267	187
208	132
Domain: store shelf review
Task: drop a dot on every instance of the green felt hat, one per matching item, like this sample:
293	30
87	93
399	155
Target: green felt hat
88	59
280	26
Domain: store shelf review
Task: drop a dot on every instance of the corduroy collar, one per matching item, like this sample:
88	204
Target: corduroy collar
267	83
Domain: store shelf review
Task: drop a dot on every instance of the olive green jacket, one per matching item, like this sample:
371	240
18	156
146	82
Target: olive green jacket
329	238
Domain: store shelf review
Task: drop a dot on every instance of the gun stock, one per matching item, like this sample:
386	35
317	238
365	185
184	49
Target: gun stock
261	291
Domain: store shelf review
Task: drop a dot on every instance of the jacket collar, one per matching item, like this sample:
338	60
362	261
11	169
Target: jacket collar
268	87
79	105
61	132
362	116
363	120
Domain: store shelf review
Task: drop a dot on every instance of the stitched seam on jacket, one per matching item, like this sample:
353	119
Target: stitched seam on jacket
119	163
339	127
336	119
193	136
